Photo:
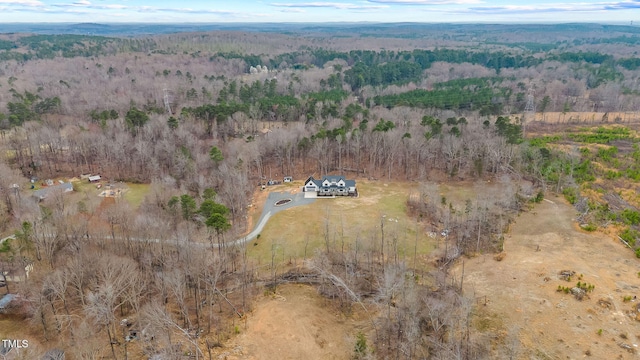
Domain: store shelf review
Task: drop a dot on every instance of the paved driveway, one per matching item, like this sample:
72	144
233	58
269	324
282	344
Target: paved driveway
270	209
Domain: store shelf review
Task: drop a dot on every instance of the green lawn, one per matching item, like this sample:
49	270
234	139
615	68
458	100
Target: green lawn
136	194
345	220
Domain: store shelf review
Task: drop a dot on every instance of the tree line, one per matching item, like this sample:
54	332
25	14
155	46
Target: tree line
171	265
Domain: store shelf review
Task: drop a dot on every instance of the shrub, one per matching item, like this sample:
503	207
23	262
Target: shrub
630	235
630	217
361	346
571	194
539	197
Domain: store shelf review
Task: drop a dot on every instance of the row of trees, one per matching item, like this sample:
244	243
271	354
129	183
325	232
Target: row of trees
559	88
572	78
170	266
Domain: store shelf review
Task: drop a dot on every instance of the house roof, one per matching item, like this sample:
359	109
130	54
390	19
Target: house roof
332	179
311	179
44	192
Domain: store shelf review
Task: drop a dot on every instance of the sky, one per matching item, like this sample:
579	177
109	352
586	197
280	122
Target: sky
217	11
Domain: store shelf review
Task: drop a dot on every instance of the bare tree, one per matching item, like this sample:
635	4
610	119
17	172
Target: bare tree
155	317
114	276
176	281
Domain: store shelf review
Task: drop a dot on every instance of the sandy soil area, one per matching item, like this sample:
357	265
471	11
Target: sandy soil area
521	297
296	323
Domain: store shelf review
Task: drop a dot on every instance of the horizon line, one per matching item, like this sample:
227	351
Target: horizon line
626	23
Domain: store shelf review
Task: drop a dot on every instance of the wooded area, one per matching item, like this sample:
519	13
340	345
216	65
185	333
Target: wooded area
205	118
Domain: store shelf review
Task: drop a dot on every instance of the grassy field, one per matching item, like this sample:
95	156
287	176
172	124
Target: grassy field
341	222
136	194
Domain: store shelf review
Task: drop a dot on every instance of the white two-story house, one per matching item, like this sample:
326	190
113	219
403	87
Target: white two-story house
332	185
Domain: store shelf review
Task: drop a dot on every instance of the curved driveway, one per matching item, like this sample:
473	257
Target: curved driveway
271	209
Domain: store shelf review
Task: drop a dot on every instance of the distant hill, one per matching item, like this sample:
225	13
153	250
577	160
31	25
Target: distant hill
370	29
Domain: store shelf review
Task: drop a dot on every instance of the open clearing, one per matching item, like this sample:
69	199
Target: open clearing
289	232
136	194
587	118
294	324
521	289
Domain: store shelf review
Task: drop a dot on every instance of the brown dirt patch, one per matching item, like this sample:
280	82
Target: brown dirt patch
294	324
587	118
521	289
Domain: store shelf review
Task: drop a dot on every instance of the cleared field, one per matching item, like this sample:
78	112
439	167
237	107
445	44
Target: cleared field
341	223
136	194
297	323
587	117
519	294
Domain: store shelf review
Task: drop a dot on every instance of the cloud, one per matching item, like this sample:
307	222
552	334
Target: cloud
622	5
88	5
554	8
187	11
85	4
426	2
22	2
293	10
331	5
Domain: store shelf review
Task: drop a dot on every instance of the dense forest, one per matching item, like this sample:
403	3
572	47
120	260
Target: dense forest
203	118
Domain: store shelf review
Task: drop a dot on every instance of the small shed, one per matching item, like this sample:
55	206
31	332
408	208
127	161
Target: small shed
288	179
94	178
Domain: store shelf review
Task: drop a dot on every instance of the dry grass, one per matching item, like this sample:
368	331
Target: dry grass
295	323
11	327
520	290
338	223
587	118
136	194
